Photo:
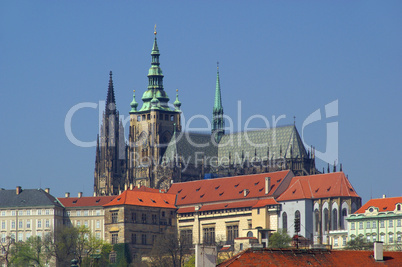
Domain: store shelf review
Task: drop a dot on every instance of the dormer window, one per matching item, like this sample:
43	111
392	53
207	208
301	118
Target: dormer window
398	207
371	209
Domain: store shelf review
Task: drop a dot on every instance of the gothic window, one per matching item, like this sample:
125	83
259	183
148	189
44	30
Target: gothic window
317	220
285	221
334	219
326	222
115	238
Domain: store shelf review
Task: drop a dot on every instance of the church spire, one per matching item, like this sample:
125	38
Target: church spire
110	100
217	114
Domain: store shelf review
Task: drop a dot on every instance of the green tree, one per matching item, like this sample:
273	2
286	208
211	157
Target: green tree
169	250
359	244
32	252
279	239
5	248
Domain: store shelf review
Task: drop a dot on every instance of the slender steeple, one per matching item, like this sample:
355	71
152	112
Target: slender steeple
155	97
218	123
110	100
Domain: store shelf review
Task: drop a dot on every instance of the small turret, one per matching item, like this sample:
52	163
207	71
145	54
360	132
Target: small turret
177	103
133	104
218	123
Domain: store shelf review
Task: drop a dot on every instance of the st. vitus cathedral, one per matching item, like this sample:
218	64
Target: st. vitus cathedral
159	153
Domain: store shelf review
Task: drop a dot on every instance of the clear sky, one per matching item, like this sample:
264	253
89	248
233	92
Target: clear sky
287	58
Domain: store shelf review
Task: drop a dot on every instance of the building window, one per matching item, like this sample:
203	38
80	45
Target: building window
97	235
391	238
398	223
39	212
133	238
86	224
39	223
153	239
98	212
186	237
335	242
28	212
352	226
97	224
20	224
399	237
3	225
134	217
391	223
144	218
115	237
382	224
163	214
382	238
27	235
153	218
3	213
114	217
47	223
368	225
112	257
326	221
344	241
20	236
232	232
13	213
374	224
368	239
258	211
398	207
285	221
47	212
374	238
360	225
78	213
334	219
20	213
144	239
209	235
78	223
317	220
3	238
28	223
86	212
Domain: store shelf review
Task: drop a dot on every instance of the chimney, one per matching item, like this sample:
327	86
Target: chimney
378	251
94	194
384	196
79	194
131	186
125	187
267	184
47	190
138	186
67	194
18	190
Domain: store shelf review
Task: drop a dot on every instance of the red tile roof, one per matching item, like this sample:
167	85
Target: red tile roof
144	198
289	257
319	186
147	189
383	204
229	188
71	202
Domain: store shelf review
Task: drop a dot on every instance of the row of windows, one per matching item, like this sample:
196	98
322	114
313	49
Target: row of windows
27	224
27	212
391	238
161	117
143	241
21	236
97	224
84	213
373	224
144	218
215	212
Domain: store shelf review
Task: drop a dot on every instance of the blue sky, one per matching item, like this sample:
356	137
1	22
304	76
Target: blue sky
278	58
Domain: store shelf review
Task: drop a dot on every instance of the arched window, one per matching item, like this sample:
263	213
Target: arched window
317	220
249	234
343	216
326	220
297	214
334	219
284	221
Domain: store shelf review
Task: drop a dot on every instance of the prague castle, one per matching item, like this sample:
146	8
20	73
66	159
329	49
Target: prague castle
159	152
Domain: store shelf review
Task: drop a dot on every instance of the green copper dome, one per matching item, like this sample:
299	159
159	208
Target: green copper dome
177	103
133	104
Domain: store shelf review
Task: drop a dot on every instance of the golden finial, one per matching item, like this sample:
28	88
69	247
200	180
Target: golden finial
217	65
155	29
177	90
134	91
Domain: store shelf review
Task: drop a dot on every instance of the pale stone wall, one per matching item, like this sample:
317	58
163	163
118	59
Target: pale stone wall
91	217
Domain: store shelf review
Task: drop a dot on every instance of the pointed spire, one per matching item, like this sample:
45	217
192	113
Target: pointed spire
110	100
133	104
177	103
218	123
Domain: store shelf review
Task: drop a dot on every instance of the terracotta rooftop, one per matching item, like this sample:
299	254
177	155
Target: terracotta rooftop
70	202
289	257
319	186
229	188
383	204
144	198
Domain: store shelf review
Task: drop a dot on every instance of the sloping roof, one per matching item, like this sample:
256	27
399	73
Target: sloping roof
253	203
27	198
71	202
228	188
383	204
189	146
143	198
319	186
289	257
257	143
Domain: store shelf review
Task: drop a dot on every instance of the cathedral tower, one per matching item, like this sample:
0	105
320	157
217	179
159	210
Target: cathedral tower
151	127
110	162
218	123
